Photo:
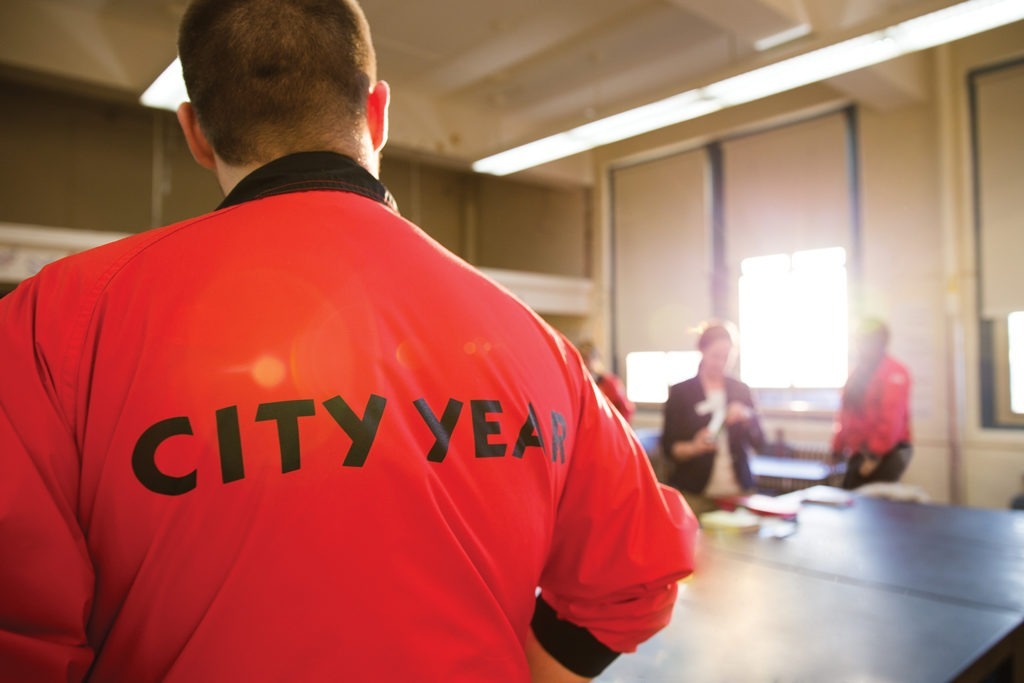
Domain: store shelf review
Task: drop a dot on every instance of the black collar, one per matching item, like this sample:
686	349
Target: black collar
309	171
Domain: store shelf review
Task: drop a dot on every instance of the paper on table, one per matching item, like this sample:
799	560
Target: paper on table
760	504
827	495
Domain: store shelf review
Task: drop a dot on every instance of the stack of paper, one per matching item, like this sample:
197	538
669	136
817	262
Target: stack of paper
827	495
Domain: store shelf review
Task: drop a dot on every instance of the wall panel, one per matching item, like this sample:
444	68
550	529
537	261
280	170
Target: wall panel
661	242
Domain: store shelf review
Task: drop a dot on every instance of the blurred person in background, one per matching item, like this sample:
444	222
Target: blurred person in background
872	428
711	425
607	381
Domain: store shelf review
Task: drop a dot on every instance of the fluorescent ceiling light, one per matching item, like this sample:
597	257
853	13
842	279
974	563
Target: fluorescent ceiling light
942	26
804	69
688	105
782	37
168	90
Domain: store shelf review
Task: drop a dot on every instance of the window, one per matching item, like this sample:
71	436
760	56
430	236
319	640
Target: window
1015	324
793	318
996	105
1002	371
649	374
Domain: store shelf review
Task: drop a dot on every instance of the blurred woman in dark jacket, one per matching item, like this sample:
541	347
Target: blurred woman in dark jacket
711	425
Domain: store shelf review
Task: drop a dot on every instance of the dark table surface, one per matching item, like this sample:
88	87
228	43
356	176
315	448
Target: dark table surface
955	553
876	592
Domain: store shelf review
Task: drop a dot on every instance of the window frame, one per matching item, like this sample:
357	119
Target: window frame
993	334
995	377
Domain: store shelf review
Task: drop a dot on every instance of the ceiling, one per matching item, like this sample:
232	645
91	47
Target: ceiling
473	77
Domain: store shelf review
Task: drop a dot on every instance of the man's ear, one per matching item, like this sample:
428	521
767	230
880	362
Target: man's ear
200	147
377	114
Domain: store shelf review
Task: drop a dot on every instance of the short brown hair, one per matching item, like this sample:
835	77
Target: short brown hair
712	331
270	77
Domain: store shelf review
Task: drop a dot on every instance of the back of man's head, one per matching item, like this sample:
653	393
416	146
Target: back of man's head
271	77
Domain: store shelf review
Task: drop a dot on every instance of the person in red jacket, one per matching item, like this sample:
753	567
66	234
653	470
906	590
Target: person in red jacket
607	381
294	439
872	429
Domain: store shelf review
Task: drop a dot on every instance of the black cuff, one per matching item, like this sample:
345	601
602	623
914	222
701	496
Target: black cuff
573	646
868	455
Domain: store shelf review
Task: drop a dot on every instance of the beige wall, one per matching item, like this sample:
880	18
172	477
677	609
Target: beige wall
992	460
532	227
904	272
79	163
433	198
662	265
76	163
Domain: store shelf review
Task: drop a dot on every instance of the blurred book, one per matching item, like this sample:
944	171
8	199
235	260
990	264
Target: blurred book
739	519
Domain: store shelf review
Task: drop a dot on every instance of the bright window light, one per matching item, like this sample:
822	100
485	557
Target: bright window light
649	374
820	259
1016	327
776	264
793	320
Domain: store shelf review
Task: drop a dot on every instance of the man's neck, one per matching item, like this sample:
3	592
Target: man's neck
228	175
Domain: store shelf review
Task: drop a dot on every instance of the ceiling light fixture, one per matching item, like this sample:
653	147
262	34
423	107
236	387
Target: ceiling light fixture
782	37
942	26
168	90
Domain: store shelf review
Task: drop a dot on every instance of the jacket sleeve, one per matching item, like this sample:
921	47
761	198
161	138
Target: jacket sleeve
843	429
680	423
837	441
755	432
46	579
621	543
886	428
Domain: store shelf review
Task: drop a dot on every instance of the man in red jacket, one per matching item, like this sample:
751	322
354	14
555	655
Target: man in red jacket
872	429
295	439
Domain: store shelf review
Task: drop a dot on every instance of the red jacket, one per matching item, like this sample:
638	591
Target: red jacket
295	439
884	420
